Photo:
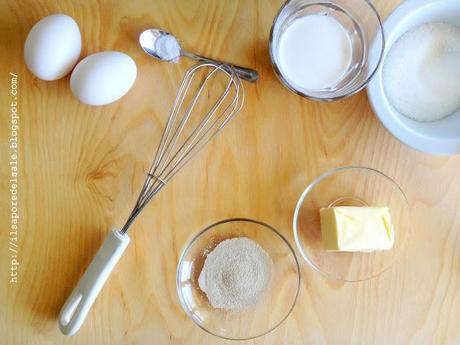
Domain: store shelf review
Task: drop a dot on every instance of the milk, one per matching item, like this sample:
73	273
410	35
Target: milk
314	52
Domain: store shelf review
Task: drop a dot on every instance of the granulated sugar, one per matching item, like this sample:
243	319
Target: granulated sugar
421	73
235	274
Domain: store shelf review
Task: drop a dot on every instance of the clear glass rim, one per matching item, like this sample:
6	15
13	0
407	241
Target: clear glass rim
299	204
361	86
210	227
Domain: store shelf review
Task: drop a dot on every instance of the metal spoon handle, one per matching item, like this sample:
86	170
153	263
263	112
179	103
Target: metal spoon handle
244	73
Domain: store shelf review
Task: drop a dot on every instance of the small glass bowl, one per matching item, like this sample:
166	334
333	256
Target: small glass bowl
276	303
350	186
363	24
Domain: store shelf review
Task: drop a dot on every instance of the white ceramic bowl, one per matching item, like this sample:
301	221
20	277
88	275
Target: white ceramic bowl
439	137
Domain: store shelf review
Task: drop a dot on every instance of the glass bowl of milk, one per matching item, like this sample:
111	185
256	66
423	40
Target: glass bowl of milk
326	50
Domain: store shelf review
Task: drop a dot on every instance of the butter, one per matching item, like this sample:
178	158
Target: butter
356	229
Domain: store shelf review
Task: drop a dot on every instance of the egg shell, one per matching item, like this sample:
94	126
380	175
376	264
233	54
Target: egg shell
52	47
103	77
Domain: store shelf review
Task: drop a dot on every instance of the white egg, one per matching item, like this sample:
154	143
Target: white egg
103	78
53	47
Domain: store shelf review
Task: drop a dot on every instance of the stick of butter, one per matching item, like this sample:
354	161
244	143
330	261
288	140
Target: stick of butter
356	229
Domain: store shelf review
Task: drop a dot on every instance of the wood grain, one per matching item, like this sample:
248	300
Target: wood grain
81	168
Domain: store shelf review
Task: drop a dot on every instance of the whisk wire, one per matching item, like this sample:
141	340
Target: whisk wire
165	139
184	149
197	138
172	153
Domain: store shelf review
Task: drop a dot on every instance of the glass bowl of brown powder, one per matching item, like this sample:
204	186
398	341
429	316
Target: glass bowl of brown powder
238	279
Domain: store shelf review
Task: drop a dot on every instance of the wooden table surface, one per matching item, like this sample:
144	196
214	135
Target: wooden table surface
80	169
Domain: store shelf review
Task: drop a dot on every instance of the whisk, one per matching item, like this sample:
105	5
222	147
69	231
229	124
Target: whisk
176	148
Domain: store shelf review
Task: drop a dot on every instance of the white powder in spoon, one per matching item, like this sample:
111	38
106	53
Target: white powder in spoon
235	274
168	48
421	73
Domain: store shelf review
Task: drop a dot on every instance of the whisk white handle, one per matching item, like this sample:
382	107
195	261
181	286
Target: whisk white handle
78	304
